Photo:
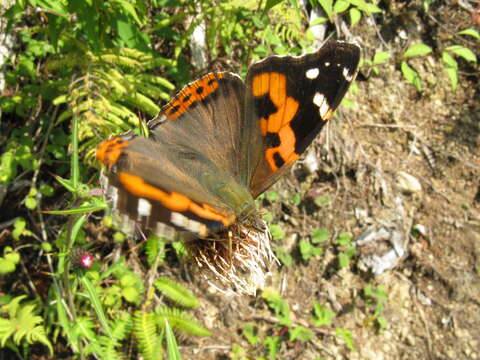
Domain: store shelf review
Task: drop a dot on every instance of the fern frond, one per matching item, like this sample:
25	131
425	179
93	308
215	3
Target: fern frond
110	88
23	325
142	102
176	292
145	331
153	247
110	346
180	320
157	80
121	60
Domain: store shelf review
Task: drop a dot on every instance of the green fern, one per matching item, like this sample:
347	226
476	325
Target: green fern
180	320
155	246
106	347
176	292
20	324
110	347
108	90
145	331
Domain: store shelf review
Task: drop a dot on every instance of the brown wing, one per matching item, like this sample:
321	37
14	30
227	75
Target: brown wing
186	174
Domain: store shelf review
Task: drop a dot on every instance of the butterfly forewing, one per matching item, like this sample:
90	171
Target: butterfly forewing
288	101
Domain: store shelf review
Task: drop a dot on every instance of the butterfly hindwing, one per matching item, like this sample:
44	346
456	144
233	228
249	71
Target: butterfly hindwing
184	174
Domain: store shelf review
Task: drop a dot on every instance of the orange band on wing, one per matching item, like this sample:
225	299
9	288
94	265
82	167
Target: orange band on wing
275	86
190	94
173	201
110	150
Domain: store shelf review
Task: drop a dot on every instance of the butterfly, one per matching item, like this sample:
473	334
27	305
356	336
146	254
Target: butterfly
221	142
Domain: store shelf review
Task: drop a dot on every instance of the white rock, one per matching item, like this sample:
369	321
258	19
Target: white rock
408	183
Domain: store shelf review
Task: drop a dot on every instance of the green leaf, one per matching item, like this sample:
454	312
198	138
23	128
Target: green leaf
176	292
145	331
411	76
278	305
22	325
340	6
449	61
318	21
308	251
272	196
371	8
6	266
301	333
250	332
277	232
271	3
344	239
284	257
320	235
452	68
8	167
12	256
172	347
30	203
346	336
272	343
54	6
323	315
355	16
343	260
46	190
470	32
97	305
131	294
322	200
129	9
296	199
327	6
463	52
79	210
268	217
453	76
417	50
380	57
128	279
19	228
180	320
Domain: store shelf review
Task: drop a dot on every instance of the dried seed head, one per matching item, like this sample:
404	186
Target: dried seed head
238	259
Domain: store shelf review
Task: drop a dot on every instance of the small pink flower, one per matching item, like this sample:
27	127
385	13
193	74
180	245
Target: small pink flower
81	259
85	261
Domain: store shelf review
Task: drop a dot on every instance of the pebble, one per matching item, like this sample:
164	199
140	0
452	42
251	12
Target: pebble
408	183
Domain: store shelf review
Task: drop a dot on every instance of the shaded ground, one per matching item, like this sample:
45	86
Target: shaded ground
433	308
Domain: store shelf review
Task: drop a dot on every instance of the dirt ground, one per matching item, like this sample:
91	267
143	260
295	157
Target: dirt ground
398	160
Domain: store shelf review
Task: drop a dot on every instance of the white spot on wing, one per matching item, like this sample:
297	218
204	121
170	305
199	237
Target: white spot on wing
164	230
112	194
127	224
187	224
324	109
318	99
327	64
144	207
322	104
346	74
312	73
